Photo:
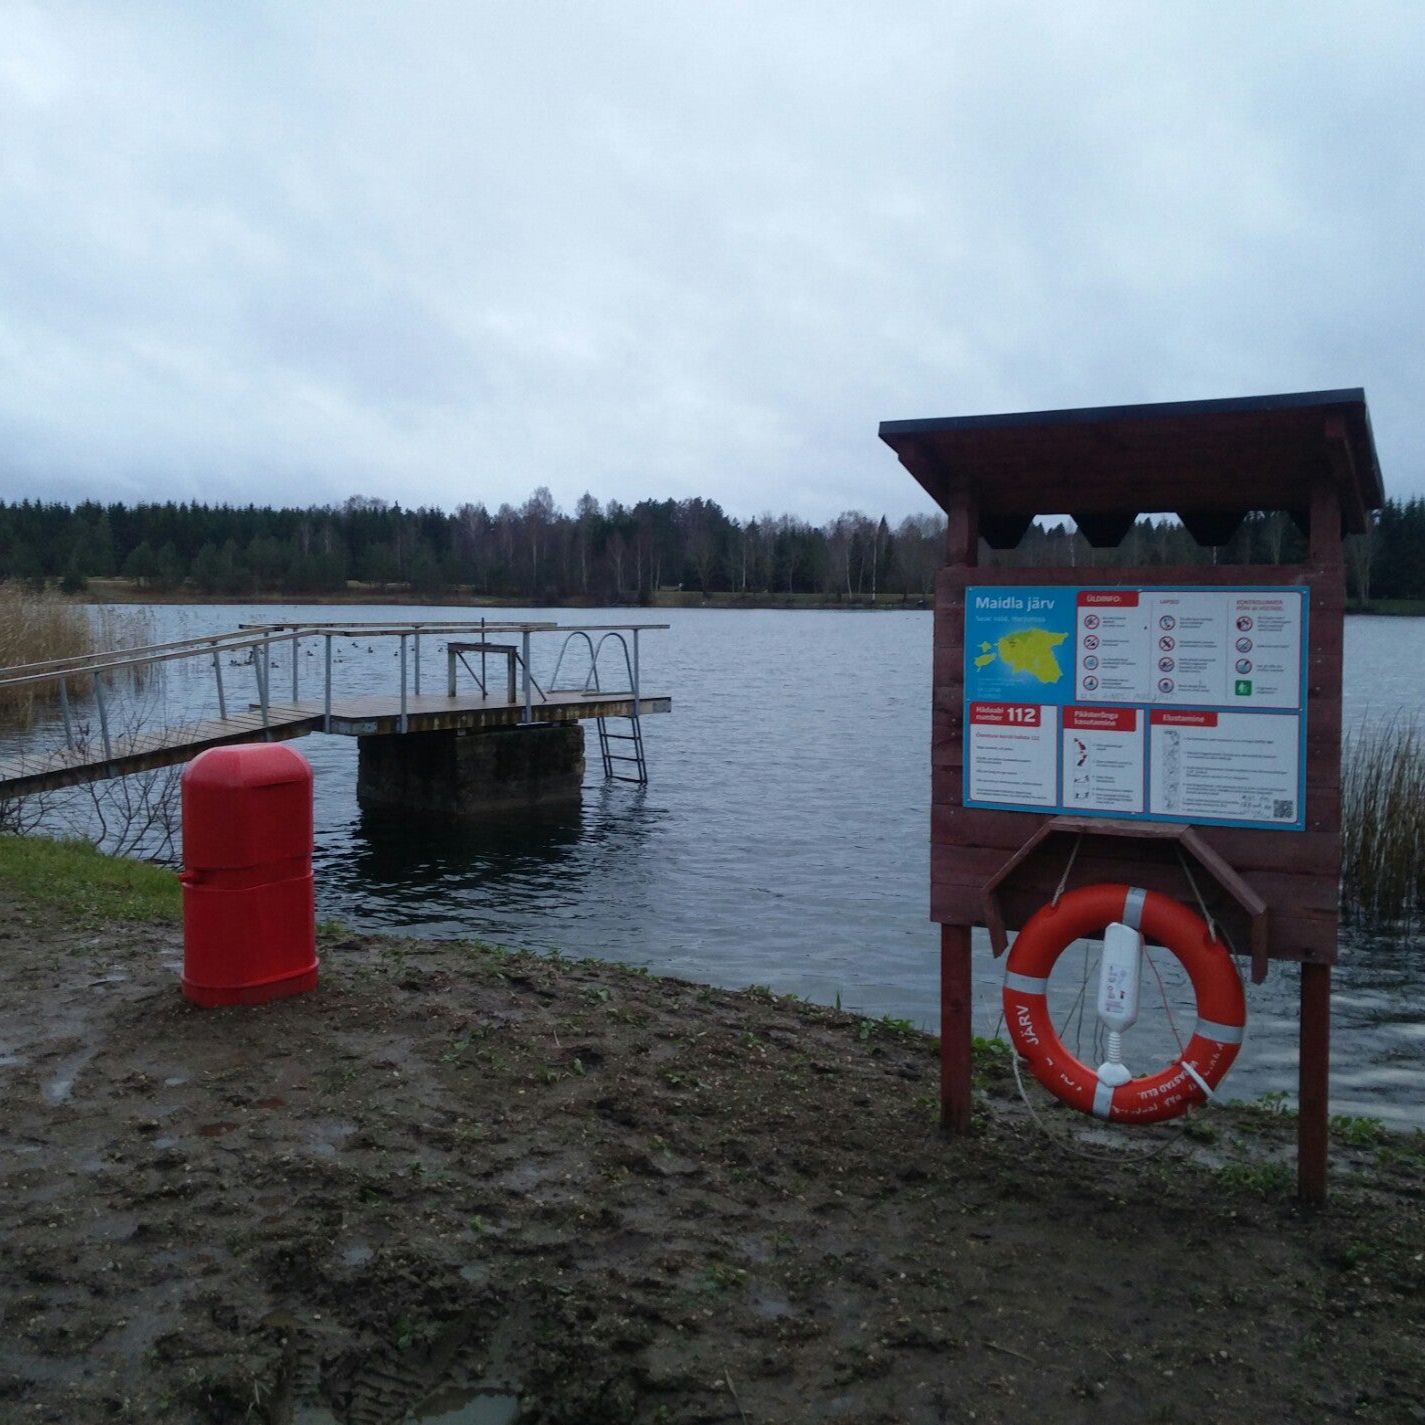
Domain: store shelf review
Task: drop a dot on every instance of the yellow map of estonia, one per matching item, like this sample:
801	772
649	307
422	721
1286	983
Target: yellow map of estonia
1026	650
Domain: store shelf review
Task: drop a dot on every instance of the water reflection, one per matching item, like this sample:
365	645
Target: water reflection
409	850
512	878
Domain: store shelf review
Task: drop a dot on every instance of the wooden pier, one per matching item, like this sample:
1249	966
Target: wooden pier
513	699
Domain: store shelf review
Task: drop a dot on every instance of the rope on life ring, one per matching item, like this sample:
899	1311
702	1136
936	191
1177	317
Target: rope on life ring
1221	1004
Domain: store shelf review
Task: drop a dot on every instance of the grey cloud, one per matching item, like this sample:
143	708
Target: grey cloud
449	251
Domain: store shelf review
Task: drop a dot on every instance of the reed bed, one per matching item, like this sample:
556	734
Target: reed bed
35	626
1383	824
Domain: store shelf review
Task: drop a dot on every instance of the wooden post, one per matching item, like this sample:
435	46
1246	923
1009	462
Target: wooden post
956	1001
1313	1106
962	550
1313	1094
962	527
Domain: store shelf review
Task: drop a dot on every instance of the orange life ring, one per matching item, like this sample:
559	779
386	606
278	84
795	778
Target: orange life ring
1221	1005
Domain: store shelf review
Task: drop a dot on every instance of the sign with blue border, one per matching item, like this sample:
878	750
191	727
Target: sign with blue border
1156	704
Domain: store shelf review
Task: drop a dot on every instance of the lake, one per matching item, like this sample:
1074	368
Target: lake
783	838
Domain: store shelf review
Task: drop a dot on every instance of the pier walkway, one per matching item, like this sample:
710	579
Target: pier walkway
102	729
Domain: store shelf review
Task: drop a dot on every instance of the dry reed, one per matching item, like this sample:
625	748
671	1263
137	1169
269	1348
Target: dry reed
36	626
1383	824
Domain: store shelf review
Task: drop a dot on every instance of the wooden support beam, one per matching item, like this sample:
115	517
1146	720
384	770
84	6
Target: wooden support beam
1187	837
956	1002
1104	529
1326	525
1212	528
962	527
1343	467
1313	1109
1004	531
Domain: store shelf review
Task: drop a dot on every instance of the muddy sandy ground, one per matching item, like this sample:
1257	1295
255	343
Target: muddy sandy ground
452	1184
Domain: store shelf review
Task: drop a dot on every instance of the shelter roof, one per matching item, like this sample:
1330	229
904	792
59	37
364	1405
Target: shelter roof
1208	461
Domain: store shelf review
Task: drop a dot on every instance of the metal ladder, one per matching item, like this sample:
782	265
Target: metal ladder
633	737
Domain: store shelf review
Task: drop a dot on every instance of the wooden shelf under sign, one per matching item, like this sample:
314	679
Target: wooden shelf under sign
1185	836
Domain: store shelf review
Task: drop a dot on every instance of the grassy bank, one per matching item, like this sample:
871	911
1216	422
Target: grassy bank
83	885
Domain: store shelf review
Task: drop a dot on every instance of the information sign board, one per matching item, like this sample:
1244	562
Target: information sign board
1167	704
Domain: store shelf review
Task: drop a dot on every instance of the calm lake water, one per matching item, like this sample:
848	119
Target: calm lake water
783	839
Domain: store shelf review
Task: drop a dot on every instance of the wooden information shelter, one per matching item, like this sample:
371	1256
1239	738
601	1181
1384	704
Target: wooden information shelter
1264	861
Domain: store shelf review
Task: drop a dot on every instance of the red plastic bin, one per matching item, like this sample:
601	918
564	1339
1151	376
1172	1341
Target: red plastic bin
249	914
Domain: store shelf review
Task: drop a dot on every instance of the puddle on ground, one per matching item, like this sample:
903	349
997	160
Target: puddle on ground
356	1255
61	1086
328	1135
445	1407
461	1407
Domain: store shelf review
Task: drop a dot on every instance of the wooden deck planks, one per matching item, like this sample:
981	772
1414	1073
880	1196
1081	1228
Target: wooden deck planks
375	714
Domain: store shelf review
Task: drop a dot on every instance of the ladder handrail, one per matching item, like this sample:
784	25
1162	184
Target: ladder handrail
627	661
564	648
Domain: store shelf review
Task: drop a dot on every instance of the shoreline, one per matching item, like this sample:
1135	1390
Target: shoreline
122	591
594	1195
125	591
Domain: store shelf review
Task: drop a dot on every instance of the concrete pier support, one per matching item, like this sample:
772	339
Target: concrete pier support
471	775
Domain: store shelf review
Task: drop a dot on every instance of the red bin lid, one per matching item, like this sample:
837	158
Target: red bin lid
250	764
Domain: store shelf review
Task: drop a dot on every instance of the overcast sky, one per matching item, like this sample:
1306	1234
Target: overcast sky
447	252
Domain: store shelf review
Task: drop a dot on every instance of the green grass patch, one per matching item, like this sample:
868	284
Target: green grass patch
84	884
1359	1132
1263	1179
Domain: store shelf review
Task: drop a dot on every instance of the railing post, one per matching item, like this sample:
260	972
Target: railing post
483	675
64	711
450	657
218	677
103	715
403	682
528	705
263	668
327	708
635	672
295	638
417	642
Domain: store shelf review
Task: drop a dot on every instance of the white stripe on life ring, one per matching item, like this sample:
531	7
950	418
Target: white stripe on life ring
1026	984
1221	1033
1102	1099
1133	907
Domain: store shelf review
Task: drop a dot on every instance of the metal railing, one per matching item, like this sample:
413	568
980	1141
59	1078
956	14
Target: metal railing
614	631
88	674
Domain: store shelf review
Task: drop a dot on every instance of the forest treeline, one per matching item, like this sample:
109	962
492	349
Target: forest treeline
603	553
